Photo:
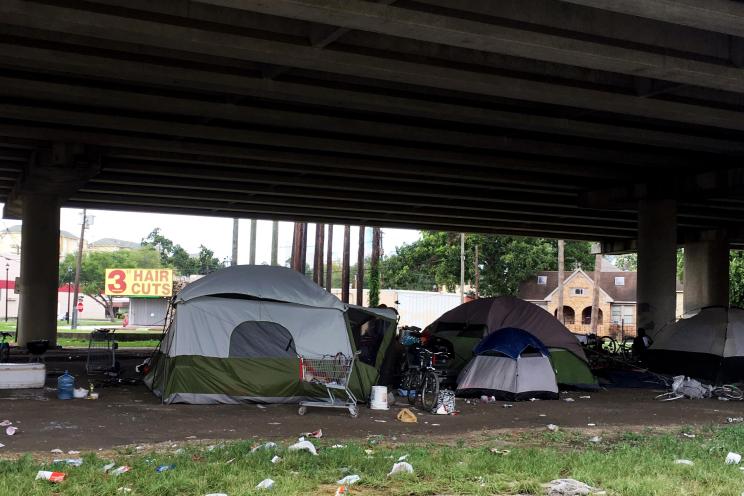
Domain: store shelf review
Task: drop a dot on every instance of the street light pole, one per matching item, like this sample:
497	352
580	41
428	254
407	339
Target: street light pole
78	266
69	288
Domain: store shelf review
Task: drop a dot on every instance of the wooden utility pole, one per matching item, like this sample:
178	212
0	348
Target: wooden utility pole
374	268
595	293
345	265
78	268
318	254
477	274
234	259
561	277
296	247
275	243
254	226
360	269
329	260
303	248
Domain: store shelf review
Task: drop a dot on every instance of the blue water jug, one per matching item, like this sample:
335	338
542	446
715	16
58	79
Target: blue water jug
65	386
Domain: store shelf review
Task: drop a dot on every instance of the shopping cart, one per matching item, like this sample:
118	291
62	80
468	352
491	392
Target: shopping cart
332	372
102	353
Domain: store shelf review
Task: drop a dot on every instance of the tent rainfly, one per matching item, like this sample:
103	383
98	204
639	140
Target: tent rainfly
708	346
237	333
511	365
464	326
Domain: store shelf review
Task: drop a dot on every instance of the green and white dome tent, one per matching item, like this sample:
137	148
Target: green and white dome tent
237	333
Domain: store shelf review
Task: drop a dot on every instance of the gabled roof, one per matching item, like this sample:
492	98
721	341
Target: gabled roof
532	291
16	228
576	273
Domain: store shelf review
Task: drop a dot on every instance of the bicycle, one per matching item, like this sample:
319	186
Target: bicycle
4	347
423	379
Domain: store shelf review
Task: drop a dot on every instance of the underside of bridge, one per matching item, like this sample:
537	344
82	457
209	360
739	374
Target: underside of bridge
586	119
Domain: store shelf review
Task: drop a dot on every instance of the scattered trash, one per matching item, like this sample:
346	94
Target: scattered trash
56	451
735	420
595	439
508	405
369	452
338	446
403	458
381	421
591	425
691	436
75	462
50	476
342	491
124	489
436	425
683	462
5	423
190	437
488	399
569	400
11	430
401	468
261	407
228	462
108	467
2	445
180	451
79	393
316	434
552	427
164	468
121	470
349	480
497	451
534	399
407	416
265	484
570	487
585	397
275	423
276	459
542	415
73	452
733	458
265	446
304	445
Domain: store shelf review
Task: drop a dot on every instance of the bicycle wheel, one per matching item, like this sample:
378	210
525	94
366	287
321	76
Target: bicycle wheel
609	344
429	390
411	382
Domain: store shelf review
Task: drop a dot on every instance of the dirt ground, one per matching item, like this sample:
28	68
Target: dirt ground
132	415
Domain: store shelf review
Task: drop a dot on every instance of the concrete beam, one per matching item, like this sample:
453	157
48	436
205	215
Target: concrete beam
720	16
489	37
175	39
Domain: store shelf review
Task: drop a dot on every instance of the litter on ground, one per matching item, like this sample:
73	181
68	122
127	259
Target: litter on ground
684	462
5	423
401	468
50	476
265	484
304	445
570	487
407	416
276	459
552	427
733	458
11	430
349	480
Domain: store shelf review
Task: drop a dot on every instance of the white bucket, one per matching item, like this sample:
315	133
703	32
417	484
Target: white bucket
379	398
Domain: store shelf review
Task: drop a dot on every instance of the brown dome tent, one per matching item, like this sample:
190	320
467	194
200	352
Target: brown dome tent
465	325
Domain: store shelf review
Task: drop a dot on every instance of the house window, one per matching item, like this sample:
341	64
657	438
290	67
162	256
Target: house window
619	281
623	314
542	280
577	291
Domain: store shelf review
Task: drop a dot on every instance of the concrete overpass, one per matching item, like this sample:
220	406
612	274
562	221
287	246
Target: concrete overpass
617	121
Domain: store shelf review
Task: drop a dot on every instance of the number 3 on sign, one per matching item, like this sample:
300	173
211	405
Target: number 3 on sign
119	285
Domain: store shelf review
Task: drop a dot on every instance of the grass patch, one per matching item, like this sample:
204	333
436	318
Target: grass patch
637	465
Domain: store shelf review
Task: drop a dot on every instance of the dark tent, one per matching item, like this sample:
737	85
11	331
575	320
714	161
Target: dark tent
465	326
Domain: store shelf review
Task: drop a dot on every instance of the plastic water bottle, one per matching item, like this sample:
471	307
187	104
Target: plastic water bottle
65	386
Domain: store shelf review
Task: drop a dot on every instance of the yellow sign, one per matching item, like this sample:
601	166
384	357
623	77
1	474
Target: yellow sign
139	282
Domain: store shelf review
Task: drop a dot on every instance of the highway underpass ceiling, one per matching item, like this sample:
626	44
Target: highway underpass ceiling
535	117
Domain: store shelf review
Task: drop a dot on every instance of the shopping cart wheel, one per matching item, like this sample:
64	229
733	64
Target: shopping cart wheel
353	411
302	410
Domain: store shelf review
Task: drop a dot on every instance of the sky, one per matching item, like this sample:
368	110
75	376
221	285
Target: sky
214	233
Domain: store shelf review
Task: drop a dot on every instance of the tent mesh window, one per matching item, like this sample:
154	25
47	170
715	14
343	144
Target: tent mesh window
261	339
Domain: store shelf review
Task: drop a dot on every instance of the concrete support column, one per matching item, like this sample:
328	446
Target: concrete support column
39	268
707	272
657	264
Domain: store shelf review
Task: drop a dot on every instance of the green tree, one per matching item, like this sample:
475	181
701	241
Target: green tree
433	261
93	271
175	256
736	278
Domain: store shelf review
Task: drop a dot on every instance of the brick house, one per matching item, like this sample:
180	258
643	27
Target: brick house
617	299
